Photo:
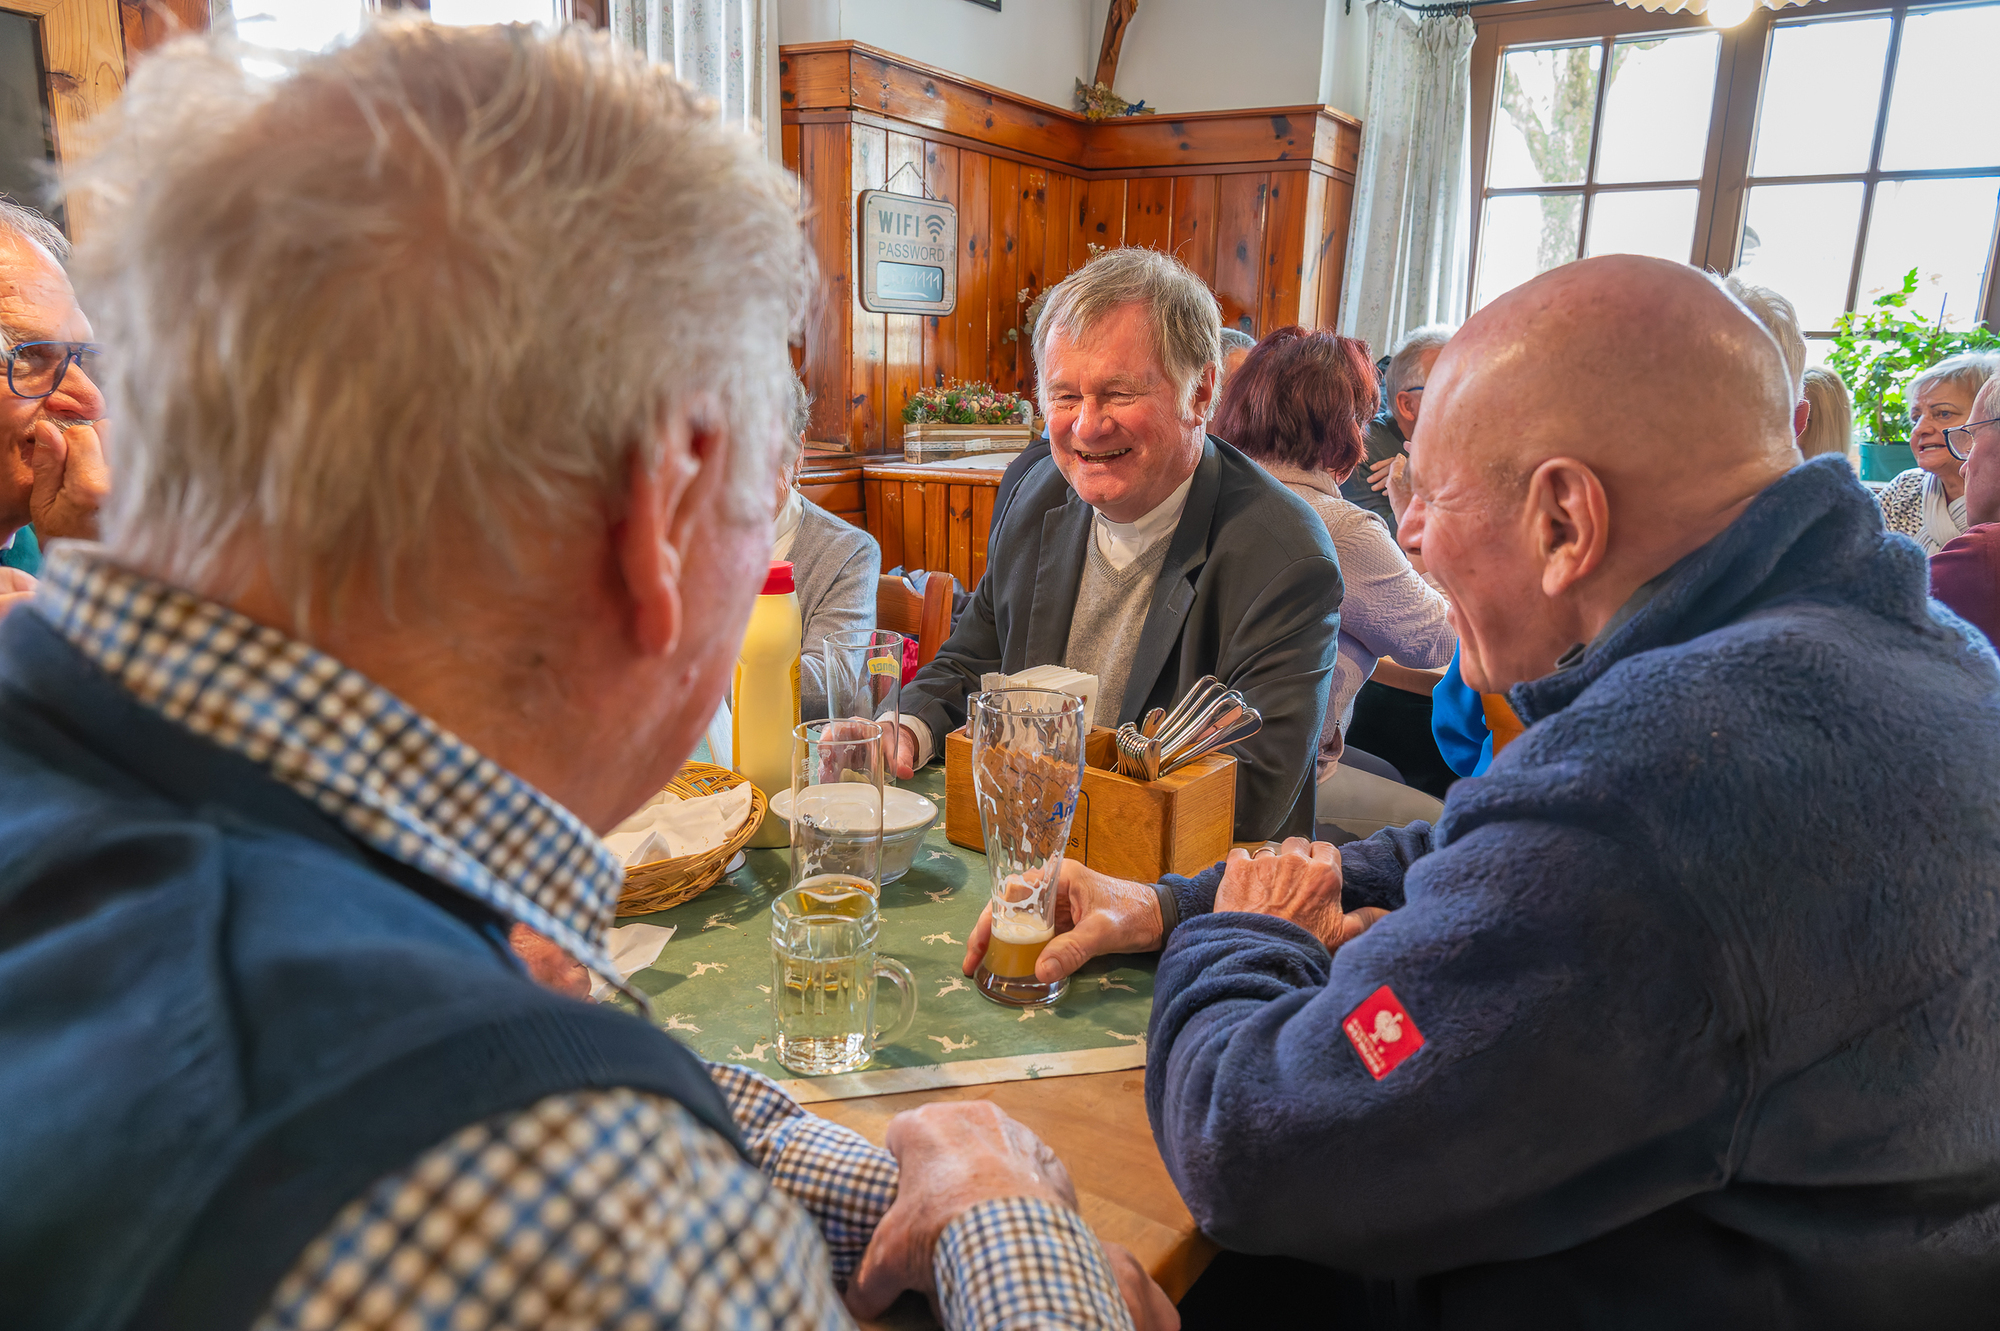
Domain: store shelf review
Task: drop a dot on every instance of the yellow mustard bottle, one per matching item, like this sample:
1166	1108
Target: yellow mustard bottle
764	702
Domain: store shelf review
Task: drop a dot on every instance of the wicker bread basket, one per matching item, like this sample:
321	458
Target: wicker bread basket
667	883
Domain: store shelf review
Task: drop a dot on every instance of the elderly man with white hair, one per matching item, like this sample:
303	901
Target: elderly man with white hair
1927	502
1144	550
1389	432
436	536
52	472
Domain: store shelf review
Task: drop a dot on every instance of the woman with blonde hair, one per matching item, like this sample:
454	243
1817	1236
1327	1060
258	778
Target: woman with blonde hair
1830	426
1927	502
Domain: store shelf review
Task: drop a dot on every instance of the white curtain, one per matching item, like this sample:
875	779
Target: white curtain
1406	256
721	48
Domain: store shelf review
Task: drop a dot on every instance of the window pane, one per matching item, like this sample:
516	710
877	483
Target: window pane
1656	108
298	25
1799	241
1659	222
1525	235
1547	100
493	11
1941	228
1821	90
1941	113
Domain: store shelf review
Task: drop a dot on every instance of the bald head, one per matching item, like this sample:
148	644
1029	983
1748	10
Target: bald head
1580	435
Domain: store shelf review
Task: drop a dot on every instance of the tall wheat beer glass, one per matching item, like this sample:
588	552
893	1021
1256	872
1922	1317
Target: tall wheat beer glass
1027	767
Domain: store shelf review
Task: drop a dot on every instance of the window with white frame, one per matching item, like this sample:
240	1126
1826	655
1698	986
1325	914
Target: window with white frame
1825	150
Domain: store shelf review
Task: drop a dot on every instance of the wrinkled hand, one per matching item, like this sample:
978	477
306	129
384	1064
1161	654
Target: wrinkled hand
1095	914
16	589
1151	1309
905	761
71	479
1301	883
952	1157
549	964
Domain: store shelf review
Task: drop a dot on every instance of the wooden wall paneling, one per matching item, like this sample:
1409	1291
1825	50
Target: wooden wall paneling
83	60
1149	212
982	524
1291	134
1032	270
937	525
1194	224
903	367
913	525
788	152
1003	278
1061	226
959	512
149	23
975	230
867	385
885	520
1100	219
824	174
941	100
1239	248
1337	221
940	331
1284	251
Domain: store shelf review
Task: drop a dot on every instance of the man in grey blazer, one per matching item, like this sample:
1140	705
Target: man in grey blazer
1145	551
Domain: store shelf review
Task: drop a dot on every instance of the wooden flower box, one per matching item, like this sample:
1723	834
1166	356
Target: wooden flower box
1139	830
934	443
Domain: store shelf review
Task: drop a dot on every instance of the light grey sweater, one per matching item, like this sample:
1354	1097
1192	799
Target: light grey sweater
834	568
1111	607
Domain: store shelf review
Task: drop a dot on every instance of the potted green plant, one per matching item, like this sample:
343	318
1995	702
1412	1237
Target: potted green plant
956	419
1876	351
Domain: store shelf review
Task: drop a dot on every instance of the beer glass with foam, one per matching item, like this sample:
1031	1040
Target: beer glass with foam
837	774
824	969
1027	768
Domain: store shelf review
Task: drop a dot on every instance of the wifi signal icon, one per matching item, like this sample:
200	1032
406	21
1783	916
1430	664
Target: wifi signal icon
935	225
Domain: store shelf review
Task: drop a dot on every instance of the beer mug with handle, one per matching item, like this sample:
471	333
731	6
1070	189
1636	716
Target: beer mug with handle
824	969
1027	770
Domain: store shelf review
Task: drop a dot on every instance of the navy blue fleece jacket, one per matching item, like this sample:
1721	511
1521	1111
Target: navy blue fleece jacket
1696	991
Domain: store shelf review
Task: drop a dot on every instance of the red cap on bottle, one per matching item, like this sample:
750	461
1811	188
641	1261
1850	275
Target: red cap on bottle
779	581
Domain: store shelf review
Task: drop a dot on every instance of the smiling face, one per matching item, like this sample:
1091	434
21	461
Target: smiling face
1939	407
36	305
1116	427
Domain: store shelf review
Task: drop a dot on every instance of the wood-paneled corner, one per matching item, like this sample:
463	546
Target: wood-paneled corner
1257	202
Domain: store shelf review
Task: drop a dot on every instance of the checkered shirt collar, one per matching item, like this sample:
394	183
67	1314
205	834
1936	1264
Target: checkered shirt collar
394	780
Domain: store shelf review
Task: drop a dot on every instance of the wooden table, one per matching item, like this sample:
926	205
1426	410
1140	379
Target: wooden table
1097	1124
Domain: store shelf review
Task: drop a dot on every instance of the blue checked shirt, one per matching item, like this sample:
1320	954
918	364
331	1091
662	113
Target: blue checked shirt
599	1209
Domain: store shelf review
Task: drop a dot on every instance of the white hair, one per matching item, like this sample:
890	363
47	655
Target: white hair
437	273
24	223
1187	323
1780	320
1408	355
1968	372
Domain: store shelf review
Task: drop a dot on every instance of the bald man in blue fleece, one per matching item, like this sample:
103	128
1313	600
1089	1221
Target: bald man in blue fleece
1687	1013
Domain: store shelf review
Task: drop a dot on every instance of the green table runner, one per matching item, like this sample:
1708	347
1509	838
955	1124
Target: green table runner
711	984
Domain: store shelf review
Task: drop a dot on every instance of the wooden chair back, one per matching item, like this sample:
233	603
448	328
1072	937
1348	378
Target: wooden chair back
927	618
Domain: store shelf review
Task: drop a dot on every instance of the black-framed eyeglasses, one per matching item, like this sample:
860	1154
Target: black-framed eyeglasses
36	369
1964	433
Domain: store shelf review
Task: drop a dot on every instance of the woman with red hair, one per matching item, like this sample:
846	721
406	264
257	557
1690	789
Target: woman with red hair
1298	406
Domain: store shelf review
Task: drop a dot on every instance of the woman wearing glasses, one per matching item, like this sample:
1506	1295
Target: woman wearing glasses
1965	575
1928	501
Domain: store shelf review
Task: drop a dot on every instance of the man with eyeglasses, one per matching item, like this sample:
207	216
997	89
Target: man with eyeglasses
1388	434
52	471
1965	575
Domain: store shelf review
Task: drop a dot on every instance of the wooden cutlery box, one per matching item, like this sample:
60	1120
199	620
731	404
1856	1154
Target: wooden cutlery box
1140	830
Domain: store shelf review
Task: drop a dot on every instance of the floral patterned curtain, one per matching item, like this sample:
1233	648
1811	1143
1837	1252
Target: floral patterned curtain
719	47
1406	257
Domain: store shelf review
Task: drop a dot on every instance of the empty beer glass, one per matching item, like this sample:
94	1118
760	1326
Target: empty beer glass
836	807
1027	768
864	675
824	969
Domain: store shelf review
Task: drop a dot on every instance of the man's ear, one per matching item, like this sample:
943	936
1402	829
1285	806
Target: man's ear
1572	523
1202	405
645	542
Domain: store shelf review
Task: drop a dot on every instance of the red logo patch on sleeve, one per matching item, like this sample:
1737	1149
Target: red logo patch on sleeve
1382	1033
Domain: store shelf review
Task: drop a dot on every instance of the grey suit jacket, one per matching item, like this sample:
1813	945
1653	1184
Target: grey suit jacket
1250	594
834	568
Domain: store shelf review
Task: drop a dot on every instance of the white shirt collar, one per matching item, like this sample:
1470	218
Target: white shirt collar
787	527
1123	542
